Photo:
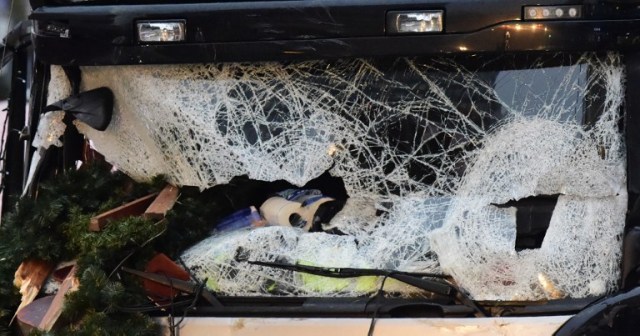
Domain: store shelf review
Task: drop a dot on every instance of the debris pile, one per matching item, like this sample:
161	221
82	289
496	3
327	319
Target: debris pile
409	165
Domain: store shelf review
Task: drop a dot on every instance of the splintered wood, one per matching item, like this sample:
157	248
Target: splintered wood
153	206
30	277
42	313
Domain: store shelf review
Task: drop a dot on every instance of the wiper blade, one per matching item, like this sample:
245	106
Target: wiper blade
411	278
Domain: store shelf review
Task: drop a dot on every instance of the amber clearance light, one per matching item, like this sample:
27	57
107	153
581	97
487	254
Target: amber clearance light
552	12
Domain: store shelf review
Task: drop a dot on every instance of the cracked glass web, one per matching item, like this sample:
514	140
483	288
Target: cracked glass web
434	145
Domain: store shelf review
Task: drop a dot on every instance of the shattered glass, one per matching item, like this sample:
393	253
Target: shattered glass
430	150
52	127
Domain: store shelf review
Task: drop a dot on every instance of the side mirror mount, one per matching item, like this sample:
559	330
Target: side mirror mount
93	107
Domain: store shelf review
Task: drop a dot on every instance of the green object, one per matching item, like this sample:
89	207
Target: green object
323	284
53	227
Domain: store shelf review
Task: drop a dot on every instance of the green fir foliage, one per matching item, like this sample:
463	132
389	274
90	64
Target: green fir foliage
94	308
109	246
53	227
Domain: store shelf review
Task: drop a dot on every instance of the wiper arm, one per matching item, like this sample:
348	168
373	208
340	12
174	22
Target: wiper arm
411	278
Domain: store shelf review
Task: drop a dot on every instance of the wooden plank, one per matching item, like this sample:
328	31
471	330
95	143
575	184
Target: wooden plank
30	317
69	284
134	208
30	277
163	203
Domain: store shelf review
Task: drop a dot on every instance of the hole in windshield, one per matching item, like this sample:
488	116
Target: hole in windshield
533	215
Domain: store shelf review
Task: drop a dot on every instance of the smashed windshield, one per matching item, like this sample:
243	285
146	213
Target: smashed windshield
506	174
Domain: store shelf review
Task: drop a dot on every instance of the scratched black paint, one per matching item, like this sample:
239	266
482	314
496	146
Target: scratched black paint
294	30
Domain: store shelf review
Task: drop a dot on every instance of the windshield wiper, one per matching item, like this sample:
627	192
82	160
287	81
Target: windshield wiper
415	279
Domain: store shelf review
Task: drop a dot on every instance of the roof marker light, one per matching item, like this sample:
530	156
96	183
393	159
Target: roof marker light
552	12
161	31
415	22
573	12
